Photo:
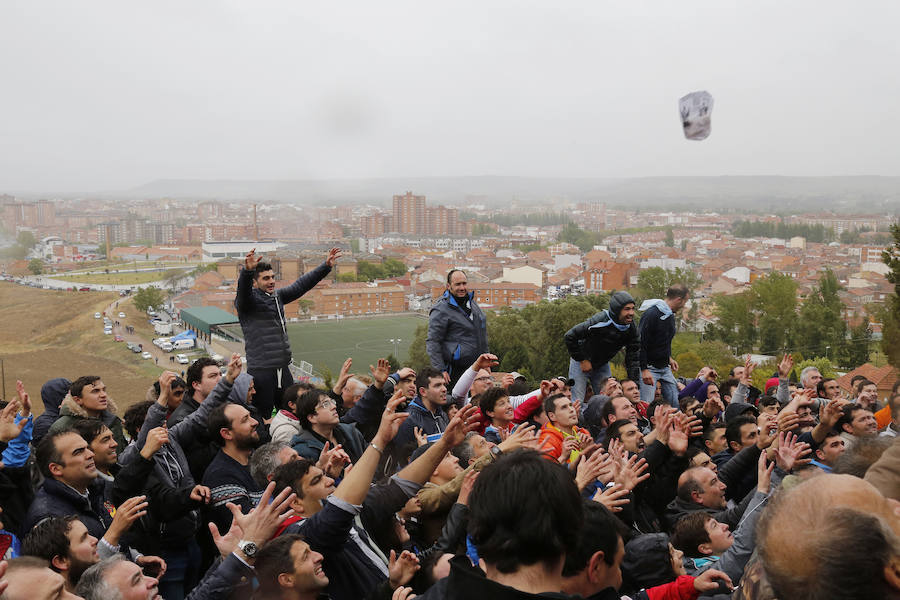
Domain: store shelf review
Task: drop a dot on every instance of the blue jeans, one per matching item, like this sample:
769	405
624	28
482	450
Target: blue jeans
667	386
182	571
581	378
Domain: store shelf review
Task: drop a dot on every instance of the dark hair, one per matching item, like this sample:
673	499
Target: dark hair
46	451
550	402
77	386
820	387
518	388
847	418
490	397
733	429
600	533
195	370
690	531
608	410
710	432
768	401
292	394
524	510
134	417
88	429
683	402
219	420
273	559
677	290
425	376
306	405
290	474
614	431
177	384
693	451
261	267
452	271
727	388
854	379
651	408
49	538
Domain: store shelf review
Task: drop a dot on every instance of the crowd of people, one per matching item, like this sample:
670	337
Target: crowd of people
453	482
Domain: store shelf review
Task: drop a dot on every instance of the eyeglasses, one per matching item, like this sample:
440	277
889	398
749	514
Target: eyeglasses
326	403
485	378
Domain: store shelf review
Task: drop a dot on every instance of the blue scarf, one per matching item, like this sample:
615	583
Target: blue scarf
610	321
660	304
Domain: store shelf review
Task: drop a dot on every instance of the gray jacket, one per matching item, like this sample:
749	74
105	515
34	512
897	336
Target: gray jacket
262	317
454	339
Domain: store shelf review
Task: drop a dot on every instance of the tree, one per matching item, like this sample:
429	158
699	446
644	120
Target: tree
395	364
36	266
653	282
585	240
26	239
736	322
418	357
820	323
148	296
775	304
347	278
855	351
305	305
890	325
670	238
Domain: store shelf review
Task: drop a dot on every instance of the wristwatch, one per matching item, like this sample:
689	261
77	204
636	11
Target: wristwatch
248	548
496	452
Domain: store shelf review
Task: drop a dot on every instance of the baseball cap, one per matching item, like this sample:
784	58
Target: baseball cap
566	380
517	375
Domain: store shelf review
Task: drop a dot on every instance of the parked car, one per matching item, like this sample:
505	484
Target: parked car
167	347
97	315
182	359
146	355
119	338
121	315
107	331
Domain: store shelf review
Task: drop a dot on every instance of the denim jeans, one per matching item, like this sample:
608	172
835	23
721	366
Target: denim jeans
667	386
581	378
182	571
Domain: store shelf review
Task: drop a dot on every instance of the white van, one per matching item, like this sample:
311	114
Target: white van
167	347
182	359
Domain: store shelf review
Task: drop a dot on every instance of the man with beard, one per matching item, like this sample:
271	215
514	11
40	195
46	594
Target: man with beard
66	544
593	343
228	475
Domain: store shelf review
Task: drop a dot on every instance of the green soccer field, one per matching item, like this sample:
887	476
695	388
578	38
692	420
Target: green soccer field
327	343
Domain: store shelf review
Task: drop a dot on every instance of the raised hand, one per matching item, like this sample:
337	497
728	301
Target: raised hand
788	420
165	387
261	523
24	400
785	366
228	543
616	450
234	368
466	488
584	440
590	467
333	255
403	593
632	472
712	407
830	413
9	430
568	446
546	389
344	376
524	435
332	461
421	438
485	361
156	439
763	473
678	436
251	260
790	453
767	430
507	381
127	513
749	365
402	568
613	497
381	372
464	421
693	425
390	421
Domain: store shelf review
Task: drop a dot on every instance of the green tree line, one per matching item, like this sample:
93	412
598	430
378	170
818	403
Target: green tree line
812	233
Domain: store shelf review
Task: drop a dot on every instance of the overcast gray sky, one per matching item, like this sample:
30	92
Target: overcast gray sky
101	95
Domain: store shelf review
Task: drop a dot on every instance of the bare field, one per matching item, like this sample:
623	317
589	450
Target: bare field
46	334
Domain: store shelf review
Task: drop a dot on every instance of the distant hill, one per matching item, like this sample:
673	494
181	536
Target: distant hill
761	193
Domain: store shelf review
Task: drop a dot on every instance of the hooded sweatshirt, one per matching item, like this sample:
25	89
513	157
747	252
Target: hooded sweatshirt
52	394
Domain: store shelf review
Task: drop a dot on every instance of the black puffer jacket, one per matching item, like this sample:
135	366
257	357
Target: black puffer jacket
262	317
598	340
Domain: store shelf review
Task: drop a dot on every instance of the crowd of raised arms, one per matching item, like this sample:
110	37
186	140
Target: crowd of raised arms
453	482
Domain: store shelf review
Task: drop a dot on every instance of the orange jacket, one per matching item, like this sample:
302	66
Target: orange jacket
552	440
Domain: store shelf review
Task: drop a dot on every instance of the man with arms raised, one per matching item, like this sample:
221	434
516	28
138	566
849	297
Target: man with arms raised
260	309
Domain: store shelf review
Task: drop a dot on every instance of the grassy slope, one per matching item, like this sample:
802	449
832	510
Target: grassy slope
48	334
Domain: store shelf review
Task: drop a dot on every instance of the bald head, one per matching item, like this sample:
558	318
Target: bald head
805	533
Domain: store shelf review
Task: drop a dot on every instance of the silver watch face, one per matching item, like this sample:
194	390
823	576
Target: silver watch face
248	548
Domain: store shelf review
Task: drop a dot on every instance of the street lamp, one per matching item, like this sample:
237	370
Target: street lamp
396	343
